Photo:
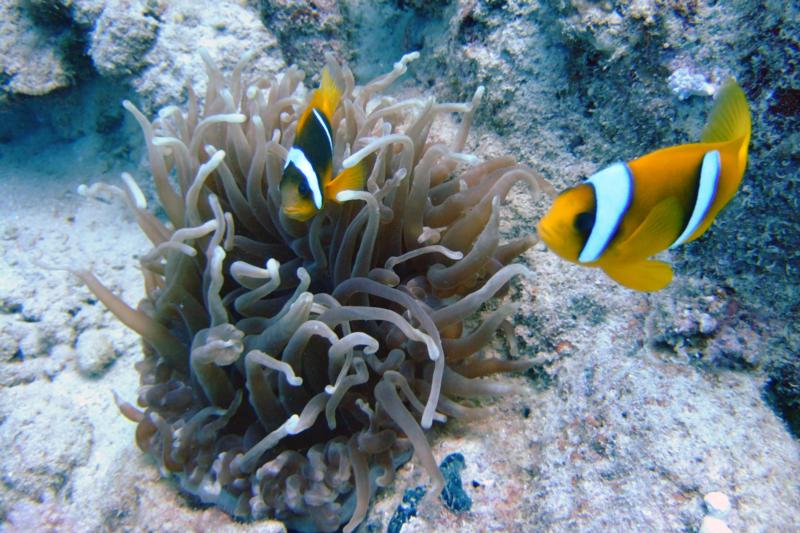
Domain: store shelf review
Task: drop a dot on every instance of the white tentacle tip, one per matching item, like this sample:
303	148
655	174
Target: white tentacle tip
467	159
291	424
406	59
346	196
349	162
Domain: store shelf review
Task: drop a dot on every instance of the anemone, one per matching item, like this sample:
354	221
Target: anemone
290	368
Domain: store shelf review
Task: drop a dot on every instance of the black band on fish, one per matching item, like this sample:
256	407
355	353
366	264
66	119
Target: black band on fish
706	192
613	191
324	125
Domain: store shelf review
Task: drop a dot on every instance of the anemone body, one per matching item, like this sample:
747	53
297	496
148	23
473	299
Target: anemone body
290	368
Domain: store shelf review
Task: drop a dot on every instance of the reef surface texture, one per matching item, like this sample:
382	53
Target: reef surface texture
638	406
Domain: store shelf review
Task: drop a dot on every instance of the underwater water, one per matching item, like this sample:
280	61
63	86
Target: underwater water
568	401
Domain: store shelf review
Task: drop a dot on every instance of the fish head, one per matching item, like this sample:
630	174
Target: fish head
296	200
567	225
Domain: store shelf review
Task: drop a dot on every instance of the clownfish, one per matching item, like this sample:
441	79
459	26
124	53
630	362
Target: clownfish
628	212
307	181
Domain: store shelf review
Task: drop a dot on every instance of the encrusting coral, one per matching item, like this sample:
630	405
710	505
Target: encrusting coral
290	368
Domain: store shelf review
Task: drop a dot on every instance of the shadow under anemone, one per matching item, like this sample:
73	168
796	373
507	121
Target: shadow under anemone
290	368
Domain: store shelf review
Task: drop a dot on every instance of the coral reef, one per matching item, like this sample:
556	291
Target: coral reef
122	36
49	45
684	83
783	391
35	50
290	367
708	326
575	85
305	29
642	405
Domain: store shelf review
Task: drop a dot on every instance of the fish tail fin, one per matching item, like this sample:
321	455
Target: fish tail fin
729	119
349	179
327	97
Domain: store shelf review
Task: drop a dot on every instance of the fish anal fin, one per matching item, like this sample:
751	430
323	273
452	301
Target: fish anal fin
349	179
644	276
656	232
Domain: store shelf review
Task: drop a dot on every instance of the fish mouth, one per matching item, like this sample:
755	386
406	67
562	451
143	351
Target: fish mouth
296	214
544	235
553	243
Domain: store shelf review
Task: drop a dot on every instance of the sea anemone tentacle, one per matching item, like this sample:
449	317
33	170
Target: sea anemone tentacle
290	367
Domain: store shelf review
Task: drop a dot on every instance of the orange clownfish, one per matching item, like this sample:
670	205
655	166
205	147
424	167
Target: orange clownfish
628	212
307	181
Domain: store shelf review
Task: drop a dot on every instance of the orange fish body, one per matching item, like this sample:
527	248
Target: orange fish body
628	212
307	182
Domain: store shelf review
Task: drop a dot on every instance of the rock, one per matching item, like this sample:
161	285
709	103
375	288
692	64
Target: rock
306	31
602	27
44	437
94	352
9	343
31	515
30	351
683	83
122	36
227	29
34	342
85	12
11	301
619	416
708	326
154	42
32	58
718	504
714	525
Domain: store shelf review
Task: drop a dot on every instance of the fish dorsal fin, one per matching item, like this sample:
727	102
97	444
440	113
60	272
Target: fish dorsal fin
645	275
706	192
656	232
349	179
730	117
325	99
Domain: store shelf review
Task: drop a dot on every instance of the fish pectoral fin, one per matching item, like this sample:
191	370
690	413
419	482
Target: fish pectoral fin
657	232
349	179
647	275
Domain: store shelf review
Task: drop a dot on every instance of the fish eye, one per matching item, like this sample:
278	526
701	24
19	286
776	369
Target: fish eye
303	189
584	222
